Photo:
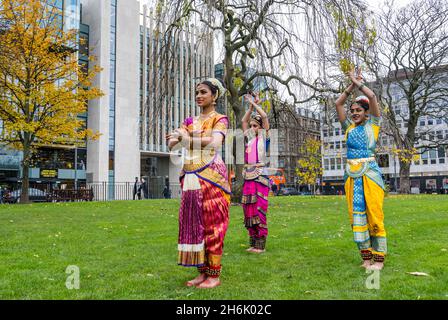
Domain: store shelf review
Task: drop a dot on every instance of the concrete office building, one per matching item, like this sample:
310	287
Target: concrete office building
113	40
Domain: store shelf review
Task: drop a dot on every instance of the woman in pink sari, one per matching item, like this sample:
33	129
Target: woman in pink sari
204	209
256	182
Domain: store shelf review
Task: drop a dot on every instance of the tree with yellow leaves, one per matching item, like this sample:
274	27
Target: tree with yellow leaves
43	88
310	165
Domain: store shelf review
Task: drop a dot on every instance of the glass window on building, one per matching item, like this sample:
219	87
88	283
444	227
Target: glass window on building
326	164
433	156
338	163
281	163
51	158
281	147
425	157
422	122
332	163
441	154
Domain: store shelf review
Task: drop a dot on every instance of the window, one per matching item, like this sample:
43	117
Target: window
338	163
430	122
441	154
326	164
332	164
433	156
425	157
281	163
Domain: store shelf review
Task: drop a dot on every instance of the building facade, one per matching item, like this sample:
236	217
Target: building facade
294	126
167	94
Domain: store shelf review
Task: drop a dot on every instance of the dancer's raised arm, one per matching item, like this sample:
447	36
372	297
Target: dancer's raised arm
373	102
253	101
341	101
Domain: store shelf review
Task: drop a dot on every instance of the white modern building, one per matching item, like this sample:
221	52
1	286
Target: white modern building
114	41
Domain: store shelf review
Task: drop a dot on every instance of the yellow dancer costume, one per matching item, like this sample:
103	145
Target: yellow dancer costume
364	188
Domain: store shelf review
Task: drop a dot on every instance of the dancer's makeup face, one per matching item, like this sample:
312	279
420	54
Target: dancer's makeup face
204	95
358	113
254	126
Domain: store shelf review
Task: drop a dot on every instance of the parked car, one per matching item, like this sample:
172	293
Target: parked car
35	195
288	191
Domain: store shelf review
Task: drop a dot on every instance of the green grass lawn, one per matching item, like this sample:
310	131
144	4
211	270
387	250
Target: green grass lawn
127	250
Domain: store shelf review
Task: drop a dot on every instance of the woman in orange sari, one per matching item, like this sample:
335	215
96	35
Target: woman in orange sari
204	209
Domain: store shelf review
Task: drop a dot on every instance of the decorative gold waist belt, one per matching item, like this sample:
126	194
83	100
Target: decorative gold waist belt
355	162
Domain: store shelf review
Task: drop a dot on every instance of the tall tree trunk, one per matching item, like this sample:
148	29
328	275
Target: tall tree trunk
24	196
405	183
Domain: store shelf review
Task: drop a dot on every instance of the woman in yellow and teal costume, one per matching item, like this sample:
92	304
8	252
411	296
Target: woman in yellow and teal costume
364	186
